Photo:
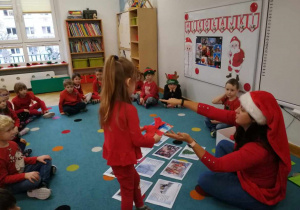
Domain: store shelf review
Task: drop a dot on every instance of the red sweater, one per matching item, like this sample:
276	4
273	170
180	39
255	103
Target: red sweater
123	137
11	113
79	89
24	103
138	86
231	105
9	104
97	87
67	98
12	164
149	89
257	169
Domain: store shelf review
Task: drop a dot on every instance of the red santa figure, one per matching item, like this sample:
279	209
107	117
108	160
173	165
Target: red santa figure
188	58
236	57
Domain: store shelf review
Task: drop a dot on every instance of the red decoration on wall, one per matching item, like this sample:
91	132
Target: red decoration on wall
186	16
253	7
196	70
247	87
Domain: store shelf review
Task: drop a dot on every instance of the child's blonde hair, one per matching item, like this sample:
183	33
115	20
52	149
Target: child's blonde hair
5	122
116	71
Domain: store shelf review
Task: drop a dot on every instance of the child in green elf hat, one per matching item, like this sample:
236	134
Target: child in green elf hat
149	94
172	89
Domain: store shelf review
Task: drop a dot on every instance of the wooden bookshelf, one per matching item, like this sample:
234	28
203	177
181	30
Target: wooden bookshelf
85	41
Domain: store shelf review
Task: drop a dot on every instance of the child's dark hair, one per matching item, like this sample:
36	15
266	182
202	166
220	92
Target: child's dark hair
19	86
75	75
68	82
233	82
7	200
116	72
99	70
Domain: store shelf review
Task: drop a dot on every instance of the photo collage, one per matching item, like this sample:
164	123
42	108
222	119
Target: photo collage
209	51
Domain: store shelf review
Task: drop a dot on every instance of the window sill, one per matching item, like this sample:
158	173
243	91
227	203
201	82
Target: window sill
33	66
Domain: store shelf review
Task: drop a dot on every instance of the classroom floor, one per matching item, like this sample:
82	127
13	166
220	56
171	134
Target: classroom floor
75	144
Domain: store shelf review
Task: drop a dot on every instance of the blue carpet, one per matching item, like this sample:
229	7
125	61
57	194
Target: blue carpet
85	188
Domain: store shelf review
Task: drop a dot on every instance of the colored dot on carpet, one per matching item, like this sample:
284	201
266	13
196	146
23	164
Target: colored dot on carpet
73	167
55	117
196	129
213	150
183	160
100	131
35	129
27	144
153	115
181	114
77	120
65	131
293	163
63	207
57	148
196	195
96	149
108	178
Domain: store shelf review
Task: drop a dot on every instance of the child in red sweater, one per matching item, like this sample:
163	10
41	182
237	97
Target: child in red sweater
22	174
149	94
76	78
230	100
97	84
122	134
23	104
70	100
138	87
5	93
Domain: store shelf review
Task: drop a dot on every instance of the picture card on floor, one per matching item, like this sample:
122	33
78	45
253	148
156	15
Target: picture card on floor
145	152
176	169
189	153
167	151
109	172
164	128
149	167
144	185
164	193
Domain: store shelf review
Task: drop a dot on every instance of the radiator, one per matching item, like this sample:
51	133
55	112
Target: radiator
8	81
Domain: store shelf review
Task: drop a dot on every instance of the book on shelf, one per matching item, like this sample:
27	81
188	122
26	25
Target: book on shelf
83	29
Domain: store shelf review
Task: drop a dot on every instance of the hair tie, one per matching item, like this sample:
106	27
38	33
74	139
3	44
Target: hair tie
116	57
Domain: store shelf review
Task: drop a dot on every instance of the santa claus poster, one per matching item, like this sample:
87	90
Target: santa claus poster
222	43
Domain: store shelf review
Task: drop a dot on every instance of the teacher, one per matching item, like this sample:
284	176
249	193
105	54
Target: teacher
254	170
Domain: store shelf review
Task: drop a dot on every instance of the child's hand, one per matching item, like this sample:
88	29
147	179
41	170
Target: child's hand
157	138
26	110
43	158
32	176
23	141
16	130
138	92
214	121
62	113
141	101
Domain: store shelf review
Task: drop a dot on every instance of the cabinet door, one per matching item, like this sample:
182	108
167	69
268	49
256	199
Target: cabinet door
126	54
124	30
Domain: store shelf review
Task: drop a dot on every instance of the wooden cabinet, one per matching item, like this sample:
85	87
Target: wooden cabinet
85	44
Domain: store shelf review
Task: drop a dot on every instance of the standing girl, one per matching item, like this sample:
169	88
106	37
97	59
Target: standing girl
122	134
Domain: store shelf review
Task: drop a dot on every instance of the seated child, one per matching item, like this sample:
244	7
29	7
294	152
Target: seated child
23	104
97	84
70	101
7	200
76	78
172	89
230	101
149	94
5	93
21	174
138	86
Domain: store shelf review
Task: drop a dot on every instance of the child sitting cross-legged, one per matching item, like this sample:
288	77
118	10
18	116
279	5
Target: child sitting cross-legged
23	104
172	89
97	84
76	78
21	174
138	87
70	101
149	94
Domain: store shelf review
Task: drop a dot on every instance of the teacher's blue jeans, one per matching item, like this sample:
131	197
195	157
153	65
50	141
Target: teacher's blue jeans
212	126
226	186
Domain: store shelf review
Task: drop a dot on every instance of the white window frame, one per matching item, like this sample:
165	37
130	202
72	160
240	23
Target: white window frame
23	41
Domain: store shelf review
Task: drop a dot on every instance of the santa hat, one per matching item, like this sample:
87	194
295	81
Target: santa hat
235	39
148	70
188	40
263	107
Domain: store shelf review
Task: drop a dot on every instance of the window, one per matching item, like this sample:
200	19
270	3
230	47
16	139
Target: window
36	32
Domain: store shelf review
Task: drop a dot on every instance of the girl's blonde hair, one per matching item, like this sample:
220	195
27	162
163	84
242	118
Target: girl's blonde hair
5	122
114	88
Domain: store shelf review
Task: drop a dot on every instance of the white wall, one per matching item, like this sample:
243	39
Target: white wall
106	11
171	52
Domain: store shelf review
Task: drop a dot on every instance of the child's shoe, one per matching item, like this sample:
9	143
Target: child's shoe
83	110
27	152
143	208
53	170
147	106
24	131
48	115
213	133
40	193
67	113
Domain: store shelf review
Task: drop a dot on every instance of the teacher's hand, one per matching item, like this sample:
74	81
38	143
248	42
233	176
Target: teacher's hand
180	136
172	101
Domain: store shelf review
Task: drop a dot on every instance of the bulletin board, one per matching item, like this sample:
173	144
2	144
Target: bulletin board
222	43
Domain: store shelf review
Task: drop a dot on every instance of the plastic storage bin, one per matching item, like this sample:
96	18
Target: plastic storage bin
90	78
80	63
133	21
96	62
